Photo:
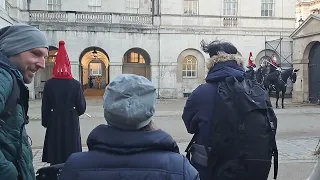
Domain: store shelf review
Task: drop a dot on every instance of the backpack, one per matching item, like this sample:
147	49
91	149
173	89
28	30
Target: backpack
12	101
15	98
243	133
50	172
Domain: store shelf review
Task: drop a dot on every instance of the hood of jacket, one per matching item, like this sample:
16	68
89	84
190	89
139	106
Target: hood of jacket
110	139
5	63
225	65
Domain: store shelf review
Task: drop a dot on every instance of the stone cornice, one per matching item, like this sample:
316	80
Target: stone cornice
143	29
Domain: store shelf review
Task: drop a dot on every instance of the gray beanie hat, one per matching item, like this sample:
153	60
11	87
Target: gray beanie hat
129	102
19	38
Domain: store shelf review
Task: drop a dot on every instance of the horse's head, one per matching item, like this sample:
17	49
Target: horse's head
293	76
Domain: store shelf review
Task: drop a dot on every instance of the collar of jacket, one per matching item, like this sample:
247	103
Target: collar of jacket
4	61
110	139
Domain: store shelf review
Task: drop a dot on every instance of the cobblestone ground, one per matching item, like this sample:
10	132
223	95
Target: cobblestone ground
294	150
297	137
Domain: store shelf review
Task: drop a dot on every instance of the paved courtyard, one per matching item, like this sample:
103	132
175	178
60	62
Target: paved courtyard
297	136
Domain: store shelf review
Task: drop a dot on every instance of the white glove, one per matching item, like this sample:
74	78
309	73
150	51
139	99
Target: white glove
255	69
278	69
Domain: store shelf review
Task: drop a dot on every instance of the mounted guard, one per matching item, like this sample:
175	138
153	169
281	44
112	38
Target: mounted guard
274	74
252	68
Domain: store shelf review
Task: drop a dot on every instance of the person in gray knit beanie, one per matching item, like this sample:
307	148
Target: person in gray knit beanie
23	50
129	102
18	38
26	47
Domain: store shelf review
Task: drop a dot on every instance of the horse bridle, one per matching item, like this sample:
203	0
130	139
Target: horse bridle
293	72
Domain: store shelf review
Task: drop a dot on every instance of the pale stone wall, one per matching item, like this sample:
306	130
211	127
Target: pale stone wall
118	6
167	39
300	53
303	41
164	53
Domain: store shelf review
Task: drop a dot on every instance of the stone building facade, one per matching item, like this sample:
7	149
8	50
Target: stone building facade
304	8
306	53
157	39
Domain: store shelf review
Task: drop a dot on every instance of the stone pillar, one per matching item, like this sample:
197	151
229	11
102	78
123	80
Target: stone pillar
31	90
115	69
75	70
155	69
300	91
168	82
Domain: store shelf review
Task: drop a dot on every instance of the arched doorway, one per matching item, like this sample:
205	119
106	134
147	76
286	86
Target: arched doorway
50	60
137	61
94	71
191	71
314	73
45	74
265	57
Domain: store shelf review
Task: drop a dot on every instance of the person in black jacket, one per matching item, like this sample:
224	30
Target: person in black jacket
129	147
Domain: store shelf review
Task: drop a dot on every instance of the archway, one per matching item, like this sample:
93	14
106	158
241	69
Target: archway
45	74
266	56
191	71
313	50
137	61
94	71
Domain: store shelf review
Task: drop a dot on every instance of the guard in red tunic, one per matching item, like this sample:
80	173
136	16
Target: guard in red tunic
250	73
250	61
62	104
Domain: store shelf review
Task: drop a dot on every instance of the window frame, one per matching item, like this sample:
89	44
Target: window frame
55	5
138	56
95	5
228	10
132	6
265	7
194	63
99	72
193	10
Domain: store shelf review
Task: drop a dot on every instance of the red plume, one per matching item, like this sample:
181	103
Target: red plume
250	62
62	67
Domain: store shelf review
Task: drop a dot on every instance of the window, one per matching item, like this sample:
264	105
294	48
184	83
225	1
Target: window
189	66
132	6
54	5
191	7
267	8
52	56
95	69
230	7
95	5
134	57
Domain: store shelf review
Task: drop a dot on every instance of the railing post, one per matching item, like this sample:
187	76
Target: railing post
156	20
115	18
71	16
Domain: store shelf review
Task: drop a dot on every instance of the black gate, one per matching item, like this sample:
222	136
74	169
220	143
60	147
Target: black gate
314	74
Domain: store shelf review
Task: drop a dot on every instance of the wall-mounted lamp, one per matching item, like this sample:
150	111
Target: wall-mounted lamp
300	20
95	53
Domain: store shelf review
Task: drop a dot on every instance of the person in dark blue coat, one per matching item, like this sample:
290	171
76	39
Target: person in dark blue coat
198	112
129	147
